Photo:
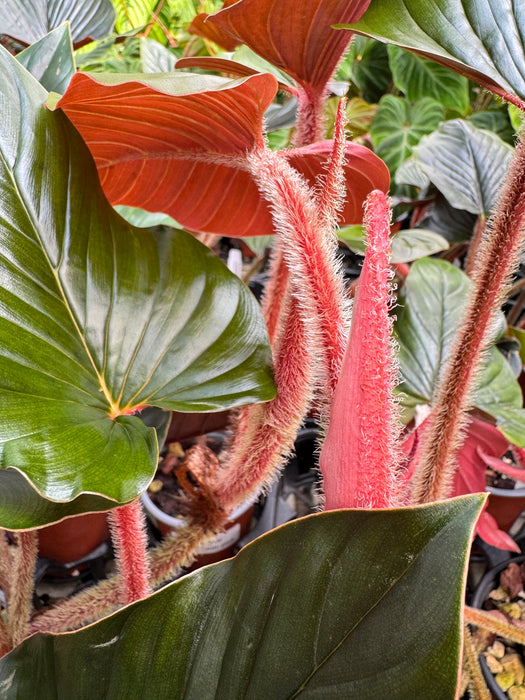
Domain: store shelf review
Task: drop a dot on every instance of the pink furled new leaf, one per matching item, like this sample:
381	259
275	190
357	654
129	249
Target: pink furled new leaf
359	458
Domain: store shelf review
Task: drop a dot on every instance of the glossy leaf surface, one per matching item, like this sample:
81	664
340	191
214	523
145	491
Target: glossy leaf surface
431	307
239	629
30	20
466	164
398	126
98	318
152	152
294	36
483	39
51	60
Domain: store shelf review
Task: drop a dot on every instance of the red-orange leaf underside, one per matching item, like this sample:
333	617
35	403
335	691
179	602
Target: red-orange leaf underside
185	154
295	36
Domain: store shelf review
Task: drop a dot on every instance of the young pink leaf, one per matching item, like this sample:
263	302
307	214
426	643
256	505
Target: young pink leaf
360	456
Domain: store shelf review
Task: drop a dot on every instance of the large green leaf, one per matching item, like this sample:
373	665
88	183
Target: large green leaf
397	127
51	59
98	318
483	39
30	20
431	307
329	606
466	164
420	77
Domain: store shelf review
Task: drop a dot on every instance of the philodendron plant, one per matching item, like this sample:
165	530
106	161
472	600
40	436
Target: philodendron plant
99	318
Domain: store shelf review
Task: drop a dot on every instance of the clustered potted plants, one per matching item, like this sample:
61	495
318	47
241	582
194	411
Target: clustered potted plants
100	318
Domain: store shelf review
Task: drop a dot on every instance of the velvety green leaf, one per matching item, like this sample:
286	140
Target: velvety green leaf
51	59
418	77
453	224
98	318
369	68
411	173
30	20
397	127
466	164
329	606
414	243
480	38
497	121
431	305
156	58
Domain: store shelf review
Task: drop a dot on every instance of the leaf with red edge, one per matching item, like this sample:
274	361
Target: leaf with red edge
178	144
295	36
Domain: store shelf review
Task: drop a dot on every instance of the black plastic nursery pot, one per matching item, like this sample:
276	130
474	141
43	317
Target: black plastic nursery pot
489	582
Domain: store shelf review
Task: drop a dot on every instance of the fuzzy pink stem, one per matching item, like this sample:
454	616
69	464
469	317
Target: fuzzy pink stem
270	428
276	292
21	586
310	114
333	191
360	455
311	252
497	258
129	538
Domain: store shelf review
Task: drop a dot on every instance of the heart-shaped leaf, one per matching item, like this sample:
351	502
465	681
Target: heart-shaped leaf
432	303
30	20
466	164
152	152
51	60
98	318
419	77
296	37
397	127
481	39
305	611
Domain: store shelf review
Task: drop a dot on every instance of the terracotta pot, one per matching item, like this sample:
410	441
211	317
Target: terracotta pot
73	538
221	547
506	505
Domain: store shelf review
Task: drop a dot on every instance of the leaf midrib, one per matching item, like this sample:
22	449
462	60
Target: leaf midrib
62	294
